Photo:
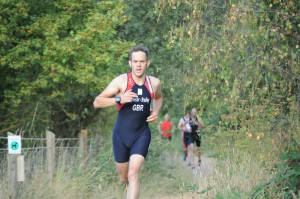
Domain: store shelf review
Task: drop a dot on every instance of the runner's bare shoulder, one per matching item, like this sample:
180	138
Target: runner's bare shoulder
116	85
154	81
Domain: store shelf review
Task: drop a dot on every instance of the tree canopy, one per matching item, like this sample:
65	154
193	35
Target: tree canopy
55	57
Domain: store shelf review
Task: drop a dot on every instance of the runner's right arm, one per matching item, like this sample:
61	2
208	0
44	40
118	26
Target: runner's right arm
107	97
181	124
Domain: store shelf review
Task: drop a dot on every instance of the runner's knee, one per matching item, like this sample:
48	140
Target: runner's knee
124	179
191	147
133	175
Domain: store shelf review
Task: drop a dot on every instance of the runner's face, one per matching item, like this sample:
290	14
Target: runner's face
139	63
194	112
167	117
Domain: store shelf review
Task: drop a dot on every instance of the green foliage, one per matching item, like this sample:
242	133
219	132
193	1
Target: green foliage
56	58
241	66
232	56
286	181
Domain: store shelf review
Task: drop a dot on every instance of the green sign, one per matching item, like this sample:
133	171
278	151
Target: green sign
14	145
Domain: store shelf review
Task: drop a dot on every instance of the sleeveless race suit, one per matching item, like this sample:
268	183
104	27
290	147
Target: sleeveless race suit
187	137
131	133
196	136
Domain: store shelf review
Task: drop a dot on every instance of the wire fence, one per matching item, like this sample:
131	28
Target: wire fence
44	139
36	153
40	159
41	140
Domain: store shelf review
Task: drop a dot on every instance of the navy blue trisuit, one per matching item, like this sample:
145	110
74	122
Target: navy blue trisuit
131	134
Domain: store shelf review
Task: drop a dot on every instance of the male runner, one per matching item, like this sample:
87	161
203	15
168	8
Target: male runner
186	134
166	127
132	93
196	124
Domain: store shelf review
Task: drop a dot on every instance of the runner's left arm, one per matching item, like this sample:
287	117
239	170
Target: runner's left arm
157	103
201	123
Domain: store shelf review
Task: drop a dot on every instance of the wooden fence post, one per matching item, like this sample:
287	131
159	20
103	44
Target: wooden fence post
50	153
83	149
20	168
12	174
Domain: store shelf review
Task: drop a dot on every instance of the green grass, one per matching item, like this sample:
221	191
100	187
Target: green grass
226	172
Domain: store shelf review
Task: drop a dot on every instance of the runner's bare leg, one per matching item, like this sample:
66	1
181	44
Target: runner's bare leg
191	153
123	172
135	164
199	155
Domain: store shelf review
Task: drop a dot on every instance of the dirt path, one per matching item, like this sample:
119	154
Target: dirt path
189	181
199	176
177	181
205	170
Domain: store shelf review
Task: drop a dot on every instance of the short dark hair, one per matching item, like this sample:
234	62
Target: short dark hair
137	49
